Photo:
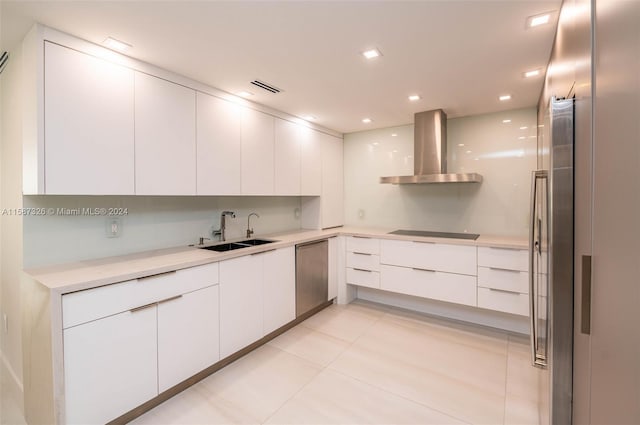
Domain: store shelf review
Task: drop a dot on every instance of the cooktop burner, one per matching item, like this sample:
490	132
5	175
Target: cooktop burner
427	233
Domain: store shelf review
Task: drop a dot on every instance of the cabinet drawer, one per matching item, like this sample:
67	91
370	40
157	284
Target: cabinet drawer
508	302
441	286
91	304
363	278
503	258
358	260
363	245
432	256
508	280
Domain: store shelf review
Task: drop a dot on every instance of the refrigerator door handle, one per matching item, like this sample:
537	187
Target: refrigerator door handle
535	246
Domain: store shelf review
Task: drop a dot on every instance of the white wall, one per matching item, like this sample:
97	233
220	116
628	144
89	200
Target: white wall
502	153
151	223
11	225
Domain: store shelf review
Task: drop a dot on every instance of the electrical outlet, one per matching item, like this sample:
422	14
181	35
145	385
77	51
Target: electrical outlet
296	213
360	214
113	227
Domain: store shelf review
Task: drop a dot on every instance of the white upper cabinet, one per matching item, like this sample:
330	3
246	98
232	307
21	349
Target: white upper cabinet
311	162
88	125
287	157
257	153
332	209
218	146
165	137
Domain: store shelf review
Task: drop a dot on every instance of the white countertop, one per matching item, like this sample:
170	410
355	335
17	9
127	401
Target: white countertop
87	274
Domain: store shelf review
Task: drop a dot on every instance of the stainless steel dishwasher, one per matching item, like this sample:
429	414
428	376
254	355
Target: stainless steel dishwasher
312	271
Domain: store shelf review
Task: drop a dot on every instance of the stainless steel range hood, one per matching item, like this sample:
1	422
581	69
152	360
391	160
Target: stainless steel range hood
430	153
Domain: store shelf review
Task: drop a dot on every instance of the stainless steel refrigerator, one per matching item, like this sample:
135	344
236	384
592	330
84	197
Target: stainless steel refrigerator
551	263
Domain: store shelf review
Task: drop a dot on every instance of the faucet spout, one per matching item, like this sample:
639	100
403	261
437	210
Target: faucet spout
223	224
249	229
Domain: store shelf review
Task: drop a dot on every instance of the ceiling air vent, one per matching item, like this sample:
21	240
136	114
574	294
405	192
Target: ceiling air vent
3	61
266	86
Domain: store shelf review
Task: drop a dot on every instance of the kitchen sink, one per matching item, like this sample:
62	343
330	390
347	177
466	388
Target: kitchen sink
224	247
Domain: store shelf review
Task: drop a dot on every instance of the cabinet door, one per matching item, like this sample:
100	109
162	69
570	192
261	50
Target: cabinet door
333	269
279	288
88	107
257	153
287	158
165	137
311	162
188	336
218	143
332	182
240	303
110	366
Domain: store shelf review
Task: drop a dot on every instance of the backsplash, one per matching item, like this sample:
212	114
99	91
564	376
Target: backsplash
504	153
151	222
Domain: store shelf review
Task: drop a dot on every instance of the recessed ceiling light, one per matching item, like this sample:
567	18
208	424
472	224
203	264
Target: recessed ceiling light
395	151
244	93
523	128
521	137
414	97
532	73
506	121
114	44
460	144
505	97
366	120
376	143
537	20
371	53
394	135
476	159
468	152
309	117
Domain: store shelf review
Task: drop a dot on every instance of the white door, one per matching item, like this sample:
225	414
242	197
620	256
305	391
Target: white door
165	137
240	303
311	162
88	108
279	288
218	146
257	153
287	157
110	366
188	336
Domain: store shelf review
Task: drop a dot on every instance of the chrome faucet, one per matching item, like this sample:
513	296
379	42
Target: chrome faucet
249	229
223	224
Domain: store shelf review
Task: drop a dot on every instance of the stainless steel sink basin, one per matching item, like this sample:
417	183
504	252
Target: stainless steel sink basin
223	247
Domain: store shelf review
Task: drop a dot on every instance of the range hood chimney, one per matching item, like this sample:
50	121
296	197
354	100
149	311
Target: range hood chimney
430	153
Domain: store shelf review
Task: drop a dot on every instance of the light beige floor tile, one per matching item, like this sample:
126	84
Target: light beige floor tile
477	365
311	345
194	407
523	379
332	398
346	323
520	411
456	398
262	381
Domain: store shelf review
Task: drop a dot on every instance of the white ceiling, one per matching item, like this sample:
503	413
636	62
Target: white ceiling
458	55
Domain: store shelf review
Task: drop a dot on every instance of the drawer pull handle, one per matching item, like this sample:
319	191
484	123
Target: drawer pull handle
506	249
362	270
156	275
142	307
504	270
424	242
423	270
264	252
504	291
170	299
362	253
361	237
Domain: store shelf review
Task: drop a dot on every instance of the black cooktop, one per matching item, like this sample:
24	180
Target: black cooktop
430	234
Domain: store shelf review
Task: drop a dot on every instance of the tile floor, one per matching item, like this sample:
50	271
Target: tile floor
368	364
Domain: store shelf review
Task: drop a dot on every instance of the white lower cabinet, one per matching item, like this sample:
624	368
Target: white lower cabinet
279	288
454	288
188	336
110	366
240	303
505	301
